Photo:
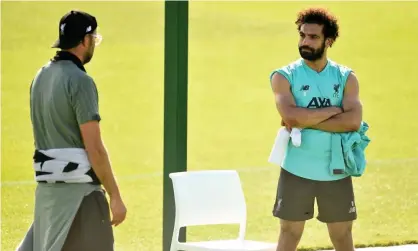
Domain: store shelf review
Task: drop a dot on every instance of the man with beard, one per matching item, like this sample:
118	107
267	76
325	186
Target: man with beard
321	97
70	160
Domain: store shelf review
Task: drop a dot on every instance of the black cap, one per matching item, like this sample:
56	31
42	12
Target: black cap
73	26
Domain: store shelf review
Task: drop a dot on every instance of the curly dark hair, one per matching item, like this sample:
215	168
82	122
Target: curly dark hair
322	17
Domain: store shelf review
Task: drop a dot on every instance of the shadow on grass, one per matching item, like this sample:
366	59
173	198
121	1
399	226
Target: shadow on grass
381	244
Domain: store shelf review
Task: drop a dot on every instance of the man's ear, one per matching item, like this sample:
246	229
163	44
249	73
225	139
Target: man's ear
329	42
85	41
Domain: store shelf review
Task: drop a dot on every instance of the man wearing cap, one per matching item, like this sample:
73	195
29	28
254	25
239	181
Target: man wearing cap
70	160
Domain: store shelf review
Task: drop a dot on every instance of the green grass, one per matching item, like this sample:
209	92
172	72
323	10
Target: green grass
232	118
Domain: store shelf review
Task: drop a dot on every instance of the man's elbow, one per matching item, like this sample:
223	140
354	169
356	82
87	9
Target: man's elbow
354	125
95	150
356	115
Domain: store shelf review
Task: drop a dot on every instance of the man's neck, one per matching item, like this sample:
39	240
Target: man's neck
66	55
317	65
75	53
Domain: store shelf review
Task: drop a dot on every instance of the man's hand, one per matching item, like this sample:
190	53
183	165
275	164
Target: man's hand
118	210
292	115
350	119
288	128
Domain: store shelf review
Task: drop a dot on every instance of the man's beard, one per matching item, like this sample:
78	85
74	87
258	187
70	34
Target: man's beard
311	54
87	57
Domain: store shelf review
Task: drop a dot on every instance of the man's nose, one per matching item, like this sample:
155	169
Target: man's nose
305	41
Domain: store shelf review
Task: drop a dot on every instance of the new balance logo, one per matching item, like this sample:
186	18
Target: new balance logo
352	208
317	102
305	89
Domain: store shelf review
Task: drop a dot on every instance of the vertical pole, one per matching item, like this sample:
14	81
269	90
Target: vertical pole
175	107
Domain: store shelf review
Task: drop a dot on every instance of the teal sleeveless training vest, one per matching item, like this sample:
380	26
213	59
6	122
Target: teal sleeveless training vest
314	90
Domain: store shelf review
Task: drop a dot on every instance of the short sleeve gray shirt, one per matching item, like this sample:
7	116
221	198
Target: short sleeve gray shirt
62	97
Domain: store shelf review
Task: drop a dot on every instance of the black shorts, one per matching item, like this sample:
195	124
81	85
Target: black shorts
91	229
296	197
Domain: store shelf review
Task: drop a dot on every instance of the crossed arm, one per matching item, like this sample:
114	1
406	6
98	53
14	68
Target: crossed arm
330	119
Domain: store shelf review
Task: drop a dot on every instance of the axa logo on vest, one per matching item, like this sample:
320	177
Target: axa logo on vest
318	102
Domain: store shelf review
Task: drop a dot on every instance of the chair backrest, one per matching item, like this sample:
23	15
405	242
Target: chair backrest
208	197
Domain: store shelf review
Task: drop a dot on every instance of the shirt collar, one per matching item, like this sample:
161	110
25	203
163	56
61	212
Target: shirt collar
313	71
65	55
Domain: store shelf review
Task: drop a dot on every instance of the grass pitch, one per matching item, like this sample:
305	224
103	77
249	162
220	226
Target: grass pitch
232	118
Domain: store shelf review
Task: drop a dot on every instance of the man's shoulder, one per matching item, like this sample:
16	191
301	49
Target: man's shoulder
73	77
76	73
292	66
81	77
70	70
289	69
340	68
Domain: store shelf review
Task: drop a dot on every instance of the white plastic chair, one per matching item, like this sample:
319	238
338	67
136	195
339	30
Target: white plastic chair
209	198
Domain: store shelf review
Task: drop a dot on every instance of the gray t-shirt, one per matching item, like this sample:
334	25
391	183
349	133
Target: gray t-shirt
62	97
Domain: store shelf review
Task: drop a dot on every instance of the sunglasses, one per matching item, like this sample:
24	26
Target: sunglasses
97	38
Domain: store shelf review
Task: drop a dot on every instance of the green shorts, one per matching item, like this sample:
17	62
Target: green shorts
296	197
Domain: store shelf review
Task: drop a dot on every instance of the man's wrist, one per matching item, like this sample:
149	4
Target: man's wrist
114	193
